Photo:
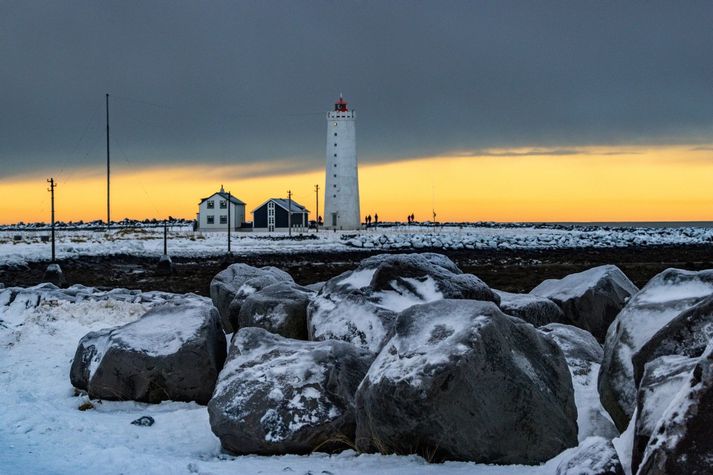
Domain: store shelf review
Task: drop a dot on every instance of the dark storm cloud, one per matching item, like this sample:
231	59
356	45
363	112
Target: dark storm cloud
245	82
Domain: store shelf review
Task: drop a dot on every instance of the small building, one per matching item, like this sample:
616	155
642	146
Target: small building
213	212
272	215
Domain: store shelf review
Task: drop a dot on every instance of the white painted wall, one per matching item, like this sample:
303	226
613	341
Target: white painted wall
341	192
237	214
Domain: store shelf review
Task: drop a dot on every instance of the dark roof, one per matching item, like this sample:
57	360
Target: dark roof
224	195
284	203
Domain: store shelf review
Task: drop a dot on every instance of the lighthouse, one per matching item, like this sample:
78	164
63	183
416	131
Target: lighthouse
341	191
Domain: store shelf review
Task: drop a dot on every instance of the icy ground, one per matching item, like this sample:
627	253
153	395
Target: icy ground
42	430
19	247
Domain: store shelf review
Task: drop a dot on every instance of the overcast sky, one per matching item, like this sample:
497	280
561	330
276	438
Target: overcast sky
245	82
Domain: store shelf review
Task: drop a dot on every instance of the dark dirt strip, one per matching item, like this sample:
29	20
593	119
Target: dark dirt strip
511	270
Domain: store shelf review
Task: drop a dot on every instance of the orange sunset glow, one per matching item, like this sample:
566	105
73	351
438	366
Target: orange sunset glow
671	183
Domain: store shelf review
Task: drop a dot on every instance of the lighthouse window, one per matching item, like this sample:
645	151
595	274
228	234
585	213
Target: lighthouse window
335	134
335	124
335	165
335	185
335	154
335	175
334	196
335	145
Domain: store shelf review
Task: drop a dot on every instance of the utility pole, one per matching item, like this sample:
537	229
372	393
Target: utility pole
108	169
316	216
53	185
229	222
289	212
53	273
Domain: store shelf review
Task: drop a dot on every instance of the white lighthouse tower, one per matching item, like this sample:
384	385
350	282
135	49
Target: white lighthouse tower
341	193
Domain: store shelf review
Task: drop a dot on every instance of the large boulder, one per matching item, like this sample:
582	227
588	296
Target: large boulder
584	355
360	306
278	308
682	441
593	456
590	299
663	378
687	334
231	286
460	380
173	352
661	300
277	395
531	308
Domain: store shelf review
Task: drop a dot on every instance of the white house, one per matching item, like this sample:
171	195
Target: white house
213	212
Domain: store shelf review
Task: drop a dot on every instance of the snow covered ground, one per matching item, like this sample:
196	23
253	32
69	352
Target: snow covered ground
18	247
42	430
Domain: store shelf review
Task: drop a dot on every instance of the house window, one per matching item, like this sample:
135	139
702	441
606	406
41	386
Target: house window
271	216
210	219
223	204
211	204
223	219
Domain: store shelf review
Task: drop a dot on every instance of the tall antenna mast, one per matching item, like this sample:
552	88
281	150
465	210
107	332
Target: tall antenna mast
108	169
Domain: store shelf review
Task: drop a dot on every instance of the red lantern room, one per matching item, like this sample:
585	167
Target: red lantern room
341	105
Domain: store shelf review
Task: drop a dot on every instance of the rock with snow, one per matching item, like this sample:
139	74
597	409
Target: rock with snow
460	380
144	421
278	308
231	286
316	286
661	300
682	441
531	308
594	456
687	335
590	299
360	306
173	352
663	378
278	395
584	355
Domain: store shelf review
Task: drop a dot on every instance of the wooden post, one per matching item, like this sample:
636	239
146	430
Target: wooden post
316	215
165	237
53	185
289	212
229	222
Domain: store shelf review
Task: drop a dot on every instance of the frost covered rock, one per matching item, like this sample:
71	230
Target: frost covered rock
682	441
173	352
531	308
584	355
360	306
460	380
277	395
231	286
661	300
594	456
590	299
688	335
662	379
278	308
